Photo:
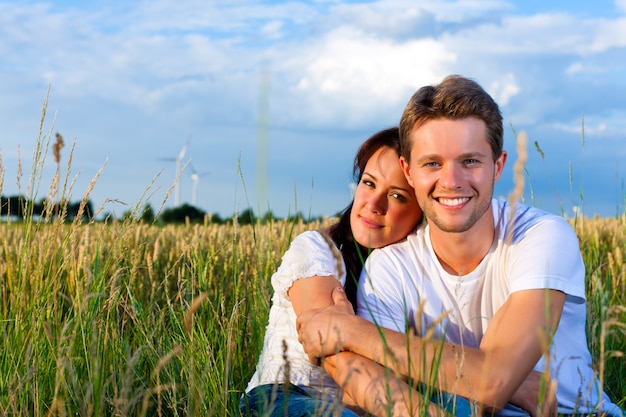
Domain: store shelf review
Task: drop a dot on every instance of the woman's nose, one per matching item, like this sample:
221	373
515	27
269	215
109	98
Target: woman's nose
377	203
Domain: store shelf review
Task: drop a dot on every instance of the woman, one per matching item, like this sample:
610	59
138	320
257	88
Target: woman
384	210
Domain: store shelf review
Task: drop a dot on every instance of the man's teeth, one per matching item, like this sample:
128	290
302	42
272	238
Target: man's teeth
453	201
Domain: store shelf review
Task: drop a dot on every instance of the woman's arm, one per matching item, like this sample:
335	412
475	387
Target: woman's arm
365	383
311	293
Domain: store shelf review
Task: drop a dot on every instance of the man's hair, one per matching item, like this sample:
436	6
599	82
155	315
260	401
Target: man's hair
455	97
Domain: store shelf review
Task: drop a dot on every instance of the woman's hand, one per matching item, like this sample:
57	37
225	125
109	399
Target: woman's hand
323	331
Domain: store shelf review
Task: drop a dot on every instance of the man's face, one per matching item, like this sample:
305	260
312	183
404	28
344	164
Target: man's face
453	172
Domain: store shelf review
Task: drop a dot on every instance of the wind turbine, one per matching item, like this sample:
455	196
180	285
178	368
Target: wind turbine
195	178
179	165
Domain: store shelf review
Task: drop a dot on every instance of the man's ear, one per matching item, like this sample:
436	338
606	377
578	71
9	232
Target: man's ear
404	164
500	162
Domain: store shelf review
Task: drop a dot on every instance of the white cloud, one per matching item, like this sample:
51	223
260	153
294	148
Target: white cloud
605	34
513	35
575	68
273	29
541	34
503	89
591	129
352	77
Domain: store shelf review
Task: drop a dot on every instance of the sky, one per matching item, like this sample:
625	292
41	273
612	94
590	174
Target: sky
271	99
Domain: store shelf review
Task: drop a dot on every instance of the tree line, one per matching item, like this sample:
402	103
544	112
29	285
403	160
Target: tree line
19	207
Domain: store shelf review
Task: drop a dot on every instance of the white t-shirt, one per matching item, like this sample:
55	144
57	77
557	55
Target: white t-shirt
309	255
404	286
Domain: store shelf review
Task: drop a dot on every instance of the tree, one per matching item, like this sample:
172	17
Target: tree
147	215
268	217
182	213
246	217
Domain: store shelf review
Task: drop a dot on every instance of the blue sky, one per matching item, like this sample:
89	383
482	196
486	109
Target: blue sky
274	97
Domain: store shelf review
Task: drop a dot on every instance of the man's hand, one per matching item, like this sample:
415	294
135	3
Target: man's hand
537	395
321	331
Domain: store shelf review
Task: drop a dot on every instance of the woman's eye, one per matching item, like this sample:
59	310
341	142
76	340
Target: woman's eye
399	197
368	183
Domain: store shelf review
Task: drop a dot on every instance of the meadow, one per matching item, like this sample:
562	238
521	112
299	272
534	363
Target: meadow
126	318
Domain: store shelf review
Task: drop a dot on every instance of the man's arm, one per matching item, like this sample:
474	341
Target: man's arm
375	389
537	395
366	383
518	335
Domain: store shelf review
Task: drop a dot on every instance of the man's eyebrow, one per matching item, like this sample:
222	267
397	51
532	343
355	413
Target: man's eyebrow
473	155
434	157
428	156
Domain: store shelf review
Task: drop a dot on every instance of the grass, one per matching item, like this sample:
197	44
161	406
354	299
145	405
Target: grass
123	318
132	319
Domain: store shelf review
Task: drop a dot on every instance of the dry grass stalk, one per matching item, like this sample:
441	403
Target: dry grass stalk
83	202
56	148
336	253
177	350
518	177
518	169
195	305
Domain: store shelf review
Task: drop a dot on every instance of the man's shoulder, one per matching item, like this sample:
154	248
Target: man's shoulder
524	220
502	210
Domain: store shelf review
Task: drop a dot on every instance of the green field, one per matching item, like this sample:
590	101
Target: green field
136	319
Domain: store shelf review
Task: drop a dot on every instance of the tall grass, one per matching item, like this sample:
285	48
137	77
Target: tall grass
603	244
132	319
124	318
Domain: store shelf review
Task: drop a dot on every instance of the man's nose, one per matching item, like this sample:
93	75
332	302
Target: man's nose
451	176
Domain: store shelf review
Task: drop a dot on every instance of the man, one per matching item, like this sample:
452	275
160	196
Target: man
502	285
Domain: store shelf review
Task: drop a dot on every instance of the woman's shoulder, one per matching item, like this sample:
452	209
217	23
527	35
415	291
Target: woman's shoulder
311	253
315	235
317	240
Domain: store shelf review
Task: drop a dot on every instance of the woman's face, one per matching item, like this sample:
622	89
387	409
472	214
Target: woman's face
385	209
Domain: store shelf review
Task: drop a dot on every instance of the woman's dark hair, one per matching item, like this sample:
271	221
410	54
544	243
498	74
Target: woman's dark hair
354	254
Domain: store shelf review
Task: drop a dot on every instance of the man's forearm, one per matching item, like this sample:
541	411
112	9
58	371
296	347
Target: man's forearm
487	376
386	347
517	336
376	389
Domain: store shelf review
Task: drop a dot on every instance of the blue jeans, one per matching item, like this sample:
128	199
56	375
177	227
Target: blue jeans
278	400
288	400
455	405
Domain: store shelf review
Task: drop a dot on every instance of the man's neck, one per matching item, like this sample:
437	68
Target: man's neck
461	253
